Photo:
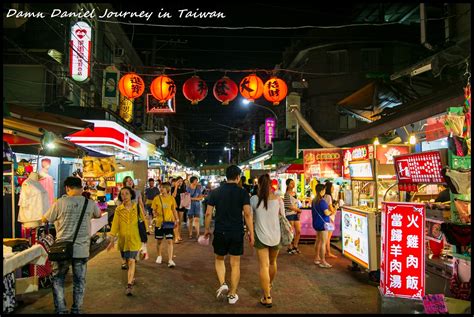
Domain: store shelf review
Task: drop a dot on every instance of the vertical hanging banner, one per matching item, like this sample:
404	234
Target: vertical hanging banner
269	130
402	268
126	108
110	93
80	48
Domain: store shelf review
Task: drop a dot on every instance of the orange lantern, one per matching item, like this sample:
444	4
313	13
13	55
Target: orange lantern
195	89
275	90
163	88
131	86
251	87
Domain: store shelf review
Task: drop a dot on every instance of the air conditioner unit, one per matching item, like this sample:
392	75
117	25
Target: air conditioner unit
119	52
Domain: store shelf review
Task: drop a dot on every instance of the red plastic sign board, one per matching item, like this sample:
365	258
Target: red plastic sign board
402	267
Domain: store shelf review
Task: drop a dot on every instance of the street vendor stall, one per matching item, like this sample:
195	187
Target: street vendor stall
373	180
320	165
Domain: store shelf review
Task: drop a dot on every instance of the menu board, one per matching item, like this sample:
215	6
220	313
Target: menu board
355	236
358	153
323	163
385	153
419	168
361	170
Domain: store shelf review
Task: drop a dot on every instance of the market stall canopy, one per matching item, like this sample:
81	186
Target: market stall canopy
371	102
291	169
58	124
24	129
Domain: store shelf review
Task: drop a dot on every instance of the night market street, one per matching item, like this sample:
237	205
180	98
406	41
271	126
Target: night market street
300	286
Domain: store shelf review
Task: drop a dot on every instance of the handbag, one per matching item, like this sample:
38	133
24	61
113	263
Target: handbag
328	226
64	250
165	224
185	200
464	210
286	231
461	290
141	226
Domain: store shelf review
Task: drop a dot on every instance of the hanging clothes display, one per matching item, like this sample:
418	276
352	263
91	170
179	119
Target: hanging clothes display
47	180
33	202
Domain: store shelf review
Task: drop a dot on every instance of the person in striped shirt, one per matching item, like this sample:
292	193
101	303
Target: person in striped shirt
292	213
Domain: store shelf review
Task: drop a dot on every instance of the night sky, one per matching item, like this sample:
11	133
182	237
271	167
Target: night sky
222	49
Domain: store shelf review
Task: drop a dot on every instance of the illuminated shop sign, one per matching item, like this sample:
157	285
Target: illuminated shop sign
269	130
80	51
402	269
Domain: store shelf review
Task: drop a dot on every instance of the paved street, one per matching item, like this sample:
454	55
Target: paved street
300	286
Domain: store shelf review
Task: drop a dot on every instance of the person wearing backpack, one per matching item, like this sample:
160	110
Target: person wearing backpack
320	212
267	208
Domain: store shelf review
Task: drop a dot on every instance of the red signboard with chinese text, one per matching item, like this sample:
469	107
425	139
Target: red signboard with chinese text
358	153
402	267
419	168
323	163
385	153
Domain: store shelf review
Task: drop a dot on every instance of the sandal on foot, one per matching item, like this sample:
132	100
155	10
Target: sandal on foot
325	265
124	266
317	262
264	302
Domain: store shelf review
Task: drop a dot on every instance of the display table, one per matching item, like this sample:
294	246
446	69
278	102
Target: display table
99	223
34	255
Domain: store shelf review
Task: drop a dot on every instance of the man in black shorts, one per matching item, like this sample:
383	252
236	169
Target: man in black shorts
229	200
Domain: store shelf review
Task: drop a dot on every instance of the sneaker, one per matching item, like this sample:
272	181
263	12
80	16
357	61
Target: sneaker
171	264
128	290
159	259
222	291
233	298
290	251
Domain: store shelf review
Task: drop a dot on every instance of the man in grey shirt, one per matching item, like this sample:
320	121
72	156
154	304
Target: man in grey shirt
65	214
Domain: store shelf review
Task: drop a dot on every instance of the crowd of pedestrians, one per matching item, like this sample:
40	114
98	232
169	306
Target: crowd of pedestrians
240	211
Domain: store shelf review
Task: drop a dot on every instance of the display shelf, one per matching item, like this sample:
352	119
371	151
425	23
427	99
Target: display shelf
458	162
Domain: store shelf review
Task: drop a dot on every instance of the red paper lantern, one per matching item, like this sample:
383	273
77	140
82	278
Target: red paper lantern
275	90
131	86
163	88
225	90
251	87
195	89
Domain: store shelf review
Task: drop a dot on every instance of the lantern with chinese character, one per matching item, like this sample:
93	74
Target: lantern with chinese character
225	90
251	87
131	86
195	89
163	88
275	90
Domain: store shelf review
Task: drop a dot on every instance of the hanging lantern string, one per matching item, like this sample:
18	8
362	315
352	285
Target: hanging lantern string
225	71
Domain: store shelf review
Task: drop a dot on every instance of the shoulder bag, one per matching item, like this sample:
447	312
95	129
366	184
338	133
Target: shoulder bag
165	224
185	200
328	226
64	250
141	226
286	231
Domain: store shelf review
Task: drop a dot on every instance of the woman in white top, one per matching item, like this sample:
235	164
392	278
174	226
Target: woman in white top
266	208
328	198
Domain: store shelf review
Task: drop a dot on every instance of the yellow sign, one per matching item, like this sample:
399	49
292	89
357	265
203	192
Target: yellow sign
126	108
97	167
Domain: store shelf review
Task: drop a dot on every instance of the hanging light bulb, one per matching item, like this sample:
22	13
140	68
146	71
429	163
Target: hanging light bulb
412	139
376	141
